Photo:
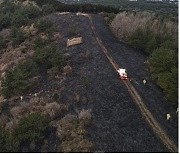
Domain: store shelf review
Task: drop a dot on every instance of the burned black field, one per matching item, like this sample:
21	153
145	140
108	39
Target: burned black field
117	124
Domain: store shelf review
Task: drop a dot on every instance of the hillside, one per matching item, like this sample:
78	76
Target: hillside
60	98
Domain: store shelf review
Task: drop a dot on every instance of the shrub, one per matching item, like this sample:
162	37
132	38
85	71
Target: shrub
67	127
109	17
19	111
17	36
39	42
47	9
32	128
2	43
18	20
53	110
76	145
72	31
49	57
16	81
164	69
71	130
25	15
85	116
67	69
8	142
140	38
44	25
85	81
5	21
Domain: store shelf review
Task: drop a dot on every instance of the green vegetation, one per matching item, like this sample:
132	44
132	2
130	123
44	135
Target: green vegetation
158	38
45	26
72	31
58	6
17	82
20	80
8	142
47	9
2	43
163	9
164	68
109	17
17	36
31	128
49	57
17	15
85	81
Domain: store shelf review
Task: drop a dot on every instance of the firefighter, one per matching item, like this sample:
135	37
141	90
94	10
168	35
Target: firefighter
21	98
177	110
168	116
144	81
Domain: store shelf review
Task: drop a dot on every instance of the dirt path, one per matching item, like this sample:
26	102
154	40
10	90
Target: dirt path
137	98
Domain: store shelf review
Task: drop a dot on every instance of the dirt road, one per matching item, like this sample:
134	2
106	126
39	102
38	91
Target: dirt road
118	125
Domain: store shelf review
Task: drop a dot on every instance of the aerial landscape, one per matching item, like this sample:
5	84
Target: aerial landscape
93	76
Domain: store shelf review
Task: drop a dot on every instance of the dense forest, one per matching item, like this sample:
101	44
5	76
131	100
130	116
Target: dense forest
161	8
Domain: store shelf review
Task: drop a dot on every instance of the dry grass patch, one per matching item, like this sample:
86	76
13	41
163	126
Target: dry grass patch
71	130
67	69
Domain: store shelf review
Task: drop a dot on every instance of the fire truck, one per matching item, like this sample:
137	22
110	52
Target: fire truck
122	73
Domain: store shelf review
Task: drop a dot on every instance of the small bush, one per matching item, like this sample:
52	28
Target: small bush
2	43
19	111
17	36
71	130
72	31
76	145
109	17
5	21
31	128
53	110
85	116
67	69
44	25
39	42
16	81
67	127
47	9
8	142
49	57
85	81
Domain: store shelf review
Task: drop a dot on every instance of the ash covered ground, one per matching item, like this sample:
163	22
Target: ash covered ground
117	125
